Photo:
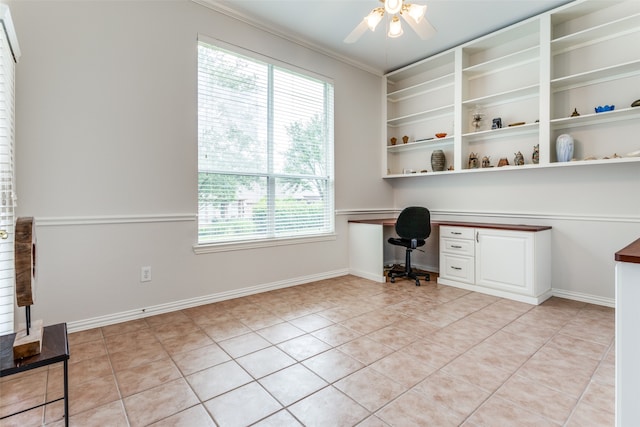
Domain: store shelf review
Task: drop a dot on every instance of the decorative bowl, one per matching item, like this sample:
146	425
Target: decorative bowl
601	109
441	135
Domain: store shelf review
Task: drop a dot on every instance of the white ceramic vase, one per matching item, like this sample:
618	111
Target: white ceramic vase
564	147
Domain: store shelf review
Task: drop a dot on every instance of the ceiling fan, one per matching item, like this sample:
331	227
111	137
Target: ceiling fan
413	14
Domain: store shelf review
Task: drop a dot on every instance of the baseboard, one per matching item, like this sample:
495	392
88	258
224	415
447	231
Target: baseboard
124	316
141	313
578	296
366	275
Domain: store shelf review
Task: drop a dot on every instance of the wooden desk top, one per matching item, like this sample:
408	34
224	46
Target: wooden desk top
55	348
630	253
513	227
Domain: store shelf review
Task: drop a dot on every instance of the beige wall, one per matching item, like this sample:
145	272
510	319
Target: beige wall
107	157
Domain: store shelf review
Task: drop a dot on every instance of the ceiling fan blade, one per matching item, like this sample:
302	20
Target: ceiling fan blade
357	32
424	29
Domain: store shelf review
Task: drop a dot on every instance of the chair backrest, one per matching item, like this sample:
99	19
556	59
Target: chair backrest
414	222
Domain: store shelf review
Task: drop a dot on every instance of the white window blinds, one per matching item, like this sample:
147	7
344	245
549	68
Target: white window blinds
9	52
265	149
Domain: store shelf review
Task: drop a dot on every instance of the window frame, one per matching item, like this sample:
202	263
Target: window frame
270	240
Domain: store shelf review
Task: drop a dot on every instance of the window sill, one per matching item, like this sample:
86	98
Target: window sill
207	248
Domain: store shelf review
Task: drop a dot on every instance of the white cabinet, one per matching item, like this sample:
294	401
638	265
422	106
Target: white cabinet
531	75
510	263
627	343
457	254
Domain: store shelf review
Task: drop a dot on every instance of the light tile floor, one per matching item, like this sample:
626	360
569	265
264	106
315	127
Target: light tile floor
339	352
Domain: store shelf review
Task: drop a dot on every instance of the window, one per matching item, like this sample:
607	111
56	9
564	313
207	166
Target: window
265	149
9	54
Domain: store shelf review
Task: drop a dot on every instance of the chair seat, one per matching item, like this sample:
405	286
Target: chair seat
405	242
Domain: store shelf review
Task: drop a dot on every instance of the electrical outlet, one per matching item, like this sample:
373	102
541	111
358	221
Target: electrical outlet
145	274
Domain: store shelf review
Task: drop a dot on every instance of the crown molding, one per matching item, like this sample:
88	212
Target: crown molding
226	10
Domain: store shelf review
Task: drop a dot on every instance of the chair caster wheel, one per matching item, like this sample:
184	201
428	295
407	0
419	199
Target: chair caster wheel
417	283
392	280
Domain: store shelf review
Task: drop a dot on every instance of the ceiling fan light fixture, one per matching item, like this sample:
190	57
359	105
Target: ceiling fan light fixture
392	6
374	18
417	11
395	28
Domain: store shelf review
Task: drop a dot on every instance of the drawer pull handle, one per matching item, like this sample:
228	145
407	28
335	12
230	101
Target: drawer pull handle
456	247
457	233
456	268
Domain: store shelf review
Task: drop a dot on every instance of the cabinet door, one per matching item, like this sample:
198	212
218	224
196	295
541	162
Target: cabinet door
504	260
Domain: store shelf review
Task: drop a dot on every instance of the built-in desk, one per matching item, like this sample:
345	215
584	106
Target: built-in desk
627	343
506	260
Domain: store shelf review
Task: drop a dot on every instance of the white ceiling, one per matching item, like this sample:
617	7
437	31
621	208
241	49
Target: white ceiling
324	24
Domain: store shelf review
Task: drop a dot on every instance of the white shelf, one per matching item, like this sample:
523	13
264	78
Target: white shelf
421	116
600	75
528	30
515	59
418	174
430	144
594	162
504	97
444	59
576	163
527	128
631	113
421	88
609	30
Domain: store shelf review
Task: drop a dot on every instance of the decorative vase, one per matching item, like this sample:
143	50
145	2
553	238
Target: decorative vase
564	147
437	160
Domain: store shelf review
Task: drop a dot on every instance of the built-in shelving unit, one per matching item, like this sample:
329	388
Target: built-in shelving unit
420	103
532	75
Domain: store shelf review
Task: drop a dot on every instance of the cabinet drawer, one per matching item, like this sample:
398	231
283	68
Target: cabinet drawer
457	232
457	246
458	268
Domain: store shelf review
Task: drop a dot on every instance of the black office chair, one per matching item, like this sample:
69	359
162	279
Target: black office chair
413	226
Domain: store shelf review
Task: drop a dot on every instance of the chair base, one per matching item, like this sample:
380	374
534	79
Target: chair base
411	274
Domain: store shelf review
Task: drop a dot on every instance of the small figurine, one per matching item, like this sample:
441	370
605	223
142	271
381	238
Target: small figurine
394	140
503	162
518	160
486	163
405	139
497	123
575	113
477	117
473	161
535	157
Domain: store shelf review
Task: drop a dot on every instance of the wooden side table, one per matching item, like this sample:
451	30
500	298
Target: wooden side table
55	349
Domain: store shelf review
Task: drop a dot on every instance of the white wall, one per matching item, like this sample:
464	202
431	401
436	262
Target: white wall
594	211
107	157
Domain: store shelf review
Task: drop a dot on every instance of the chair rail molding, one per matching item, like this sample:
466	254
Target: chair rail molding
503	214
114	219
